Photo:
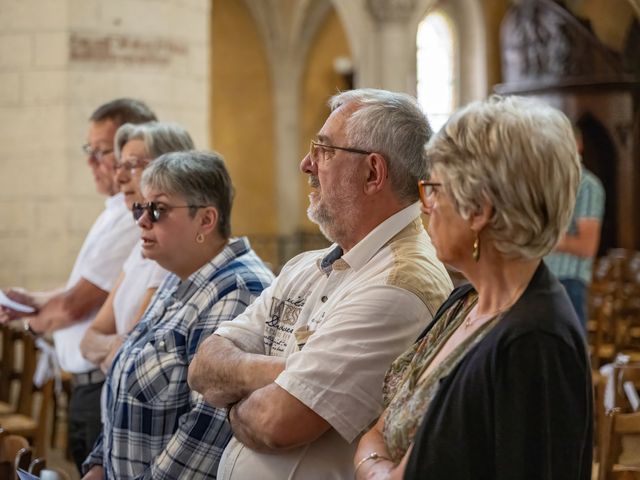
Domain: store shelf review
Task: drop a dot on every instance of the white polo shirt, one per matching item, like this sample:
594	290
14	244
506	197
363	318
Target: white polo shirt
140	274
100	261
340	326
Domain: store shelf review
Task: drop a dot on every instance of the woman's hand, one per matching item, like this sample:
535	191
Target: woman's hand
95	473
379	469
373	442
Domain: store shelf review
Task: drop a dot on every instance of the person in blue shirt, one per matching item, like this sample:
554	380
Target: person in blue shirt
572	259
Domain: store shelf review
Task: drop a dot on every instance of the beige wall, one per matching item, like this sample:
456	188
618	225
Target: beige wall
319	82
242	115
59	59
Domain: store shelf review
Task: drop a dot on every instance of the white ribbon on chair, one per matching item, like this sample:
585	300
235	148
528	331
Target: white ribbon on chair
48	366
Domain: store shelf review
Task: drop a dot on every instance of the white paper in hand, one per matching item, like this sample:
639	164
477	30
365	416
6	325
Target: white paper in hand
12	304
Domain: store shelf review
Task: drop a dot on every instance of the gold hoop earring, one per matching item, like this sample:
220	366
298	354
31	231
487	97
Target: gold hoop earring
475	253
200	238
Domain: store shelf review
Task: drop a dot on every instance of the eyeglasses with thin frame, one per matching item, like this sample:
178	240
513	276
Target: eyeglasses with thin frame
132	164
97	154
156	210
427	189
318	151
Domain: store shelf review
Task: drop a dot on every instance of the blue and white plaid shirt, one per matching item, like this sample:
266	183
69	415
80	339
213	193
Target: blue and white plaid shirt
155	426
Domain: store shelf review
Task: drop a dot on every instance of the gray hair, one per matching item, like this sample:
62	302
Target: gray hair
158	137
201	178
519	155
393	125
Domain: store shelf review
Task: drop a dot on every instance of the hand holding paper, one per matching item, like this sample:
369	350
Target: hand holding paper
19	305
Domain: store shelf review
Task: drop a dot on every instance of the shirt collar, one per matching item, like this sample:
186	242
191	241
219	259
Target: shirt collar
114	201
234	249
366	248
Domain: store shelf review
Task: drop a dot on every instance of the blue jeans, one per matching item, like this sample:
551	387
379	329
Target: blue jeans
577	291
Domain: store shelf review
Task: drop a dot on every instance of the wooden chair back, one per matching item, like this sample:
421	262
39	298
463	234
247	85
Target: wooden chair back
26	422
37	465
620	423
7	366
45	417
614	306
25	398
10	445
23	459
618	426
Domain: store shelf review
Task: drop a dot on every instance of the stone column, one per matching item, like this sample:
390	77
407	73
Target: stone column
59	59
392	47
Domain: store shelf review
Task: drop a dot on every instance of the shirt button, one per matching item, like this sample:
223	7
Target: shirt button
324	298
161	344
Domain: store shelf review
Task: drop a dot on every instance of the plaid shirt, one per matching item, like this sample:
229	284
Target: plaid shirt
155	426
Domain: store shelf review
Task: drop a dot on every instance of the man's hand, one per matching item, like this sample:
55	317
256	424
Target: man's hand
21	296
272	420
224	374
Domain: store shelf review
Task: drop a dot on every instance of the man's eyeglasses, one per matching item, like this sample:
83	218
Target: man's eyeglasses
427	189
132	164
96	153
318	151
156	210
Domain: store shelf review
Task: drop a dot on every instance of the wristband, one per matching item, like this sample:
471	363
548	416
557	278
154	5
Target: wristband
372	456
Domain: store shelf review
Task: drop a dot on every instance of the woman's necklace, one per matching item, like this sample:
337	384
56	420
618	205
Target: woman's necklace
473	317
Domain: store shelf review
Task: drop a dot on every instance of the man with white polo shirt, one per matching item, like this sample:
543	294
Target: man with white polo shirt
301	370
67	312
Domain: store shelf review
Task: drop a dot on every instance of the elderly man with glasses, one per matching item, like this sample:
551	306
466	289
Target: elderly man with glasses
67	312
301	371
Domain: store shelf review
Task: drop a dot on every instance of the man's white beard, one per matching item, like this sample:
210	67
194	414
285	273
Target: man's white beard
320	217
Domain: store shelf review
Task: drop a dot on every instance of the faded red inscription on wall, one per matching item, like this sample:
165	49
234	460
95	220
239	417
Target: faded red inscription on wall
125	49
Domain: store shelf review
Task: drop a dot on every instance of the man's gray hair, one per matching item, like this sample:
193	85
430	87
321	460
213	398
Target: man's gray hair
158	137
200	178
518	154
393	125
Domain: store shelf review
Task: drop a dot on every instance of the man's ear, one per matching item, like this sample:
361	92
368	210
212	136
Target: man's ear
377	173
209	217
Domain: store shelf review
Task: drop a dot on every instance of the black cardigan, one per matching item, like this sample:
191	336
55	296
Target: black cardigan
519	404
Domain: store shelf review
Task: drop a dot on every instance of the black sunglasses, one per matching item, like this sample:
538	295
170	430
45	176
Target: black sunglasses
155	210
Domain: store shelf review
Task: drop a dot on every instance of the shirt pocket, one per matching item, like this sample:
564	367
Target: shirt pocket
160	370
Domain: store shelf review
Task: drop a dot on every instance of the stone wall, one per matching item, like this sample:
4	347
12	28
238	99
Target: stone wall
59	59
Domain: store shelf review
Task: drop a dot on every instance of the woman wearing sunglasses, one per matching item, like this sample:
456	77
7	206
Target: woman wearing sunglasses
498	385
135	147
154	425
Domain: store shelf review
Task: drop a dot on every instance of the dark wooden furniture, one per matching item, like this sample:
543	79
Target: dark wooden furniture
550	54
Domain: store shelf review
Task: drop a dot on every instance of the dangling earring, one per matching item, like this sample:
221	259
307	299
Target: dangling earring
200	238
475	253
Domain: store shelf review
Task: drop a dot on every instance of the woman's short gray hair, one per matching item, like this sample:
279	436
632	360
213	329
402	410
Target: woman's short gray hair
518	154
201	178
158	137
393	125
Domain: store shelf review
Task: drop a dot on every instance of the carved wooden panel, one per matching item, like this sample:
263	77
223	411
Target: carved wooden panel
550	54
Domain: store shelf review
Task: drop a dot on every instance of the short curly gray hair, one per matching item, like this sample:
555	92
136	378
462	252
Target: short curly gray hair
521	156
201	178
158	137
